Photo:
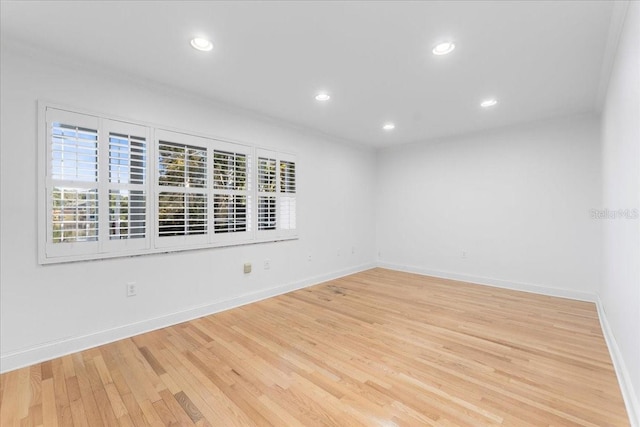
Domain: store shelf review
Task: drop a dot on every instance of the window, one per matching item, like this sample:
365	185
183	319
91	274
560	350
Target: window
266	193
74	177
92	209
183	187
110	192
127	186
276	194
74	182
287	196
231	192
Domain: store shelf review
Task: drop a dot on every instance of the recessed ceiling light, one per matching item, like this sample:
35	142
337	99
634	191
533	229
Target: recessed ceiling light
389	126
443	48
489	103
323	96
201	44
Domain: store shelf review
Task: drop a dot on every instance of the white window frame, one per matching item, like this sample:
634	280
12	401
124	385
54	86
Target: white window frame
104	247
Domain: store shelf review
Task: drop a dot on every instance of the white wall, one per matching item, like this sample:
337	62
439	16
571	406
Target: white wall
620	289
49	310
517	200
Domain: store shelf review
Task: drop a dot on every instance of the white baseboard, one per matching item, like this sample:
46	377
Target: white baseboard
58	348
629	395
498	283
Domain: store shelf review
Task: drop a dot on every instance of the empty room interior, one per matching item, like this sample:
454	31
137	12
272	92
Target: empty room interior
320	213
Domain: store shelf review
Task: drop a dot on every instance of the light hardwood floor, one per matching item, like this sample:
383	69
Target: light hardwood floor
378	348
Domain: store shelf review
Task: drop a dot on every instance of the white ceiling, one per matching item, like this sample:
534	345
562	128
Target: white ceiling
540	59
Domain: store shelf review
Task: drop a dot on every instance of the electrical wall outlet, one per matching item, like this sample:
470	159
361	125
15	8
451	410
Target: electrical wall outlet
247	267
132	289
464	254
267	264
309	257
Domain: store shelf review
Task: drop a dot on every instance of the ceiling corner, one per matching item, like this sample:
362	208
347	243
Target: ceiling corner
616	24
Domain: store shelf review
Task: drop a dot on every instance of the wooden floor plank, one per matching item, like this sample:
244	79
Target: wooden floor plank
9	415
63	408
49	409
178	411
379	347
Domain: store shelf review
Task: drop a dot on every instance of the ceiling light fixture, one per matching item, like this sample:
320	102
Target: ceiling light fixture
489	103
323	96
443	48
389	126
201	44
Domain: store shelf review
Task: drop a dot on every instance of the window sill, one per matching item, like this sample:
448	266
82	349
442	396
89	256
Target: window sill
44	260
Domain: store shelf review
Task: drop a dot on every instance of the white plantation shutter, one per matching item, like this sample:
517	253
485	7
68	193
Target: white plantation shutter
287	195
128	186
183	189
71	187
276	194
266	193
95	186
231	192
110	187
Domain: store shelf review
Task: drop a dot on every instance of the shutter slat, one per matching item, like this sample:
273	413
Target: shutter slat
230	211
74	214
127	172
182	214
127	214
287	177
74	153
267	213
266	175
182	165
